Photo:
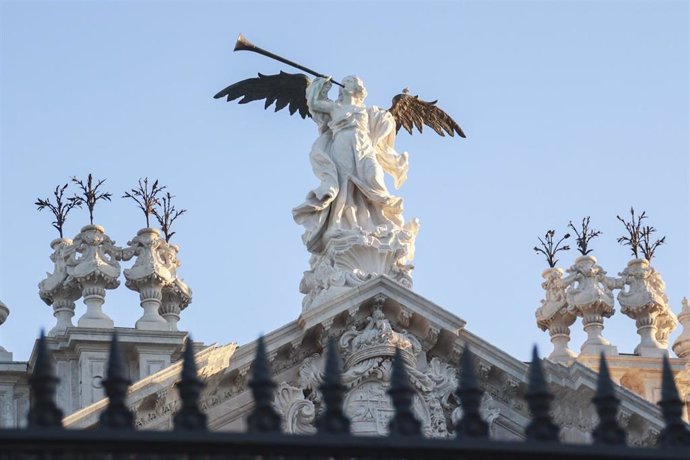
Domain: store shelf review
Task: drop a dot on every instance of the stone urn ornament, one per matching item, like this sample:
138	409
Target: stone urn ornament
94	265
96	268
148	276
556	316
681	347
643	297
154	273
58	289
176	295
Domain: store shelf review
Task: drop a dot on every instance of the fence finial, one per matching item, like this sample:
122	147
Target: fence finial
116	415
608	431
541	428
264	417
674	433
333	420
403	422
189	416
471	424
43	382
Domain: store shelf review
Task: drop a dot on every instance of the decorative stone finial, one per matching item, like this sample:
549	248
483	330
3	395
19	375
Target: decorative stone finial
589	294
556	316
176	295
378	339
646	302
95	269
681	347
152	270
59	289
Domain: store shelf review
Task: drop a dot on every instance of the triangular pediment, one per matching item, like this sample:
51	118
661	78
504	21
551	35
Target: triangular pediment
369	322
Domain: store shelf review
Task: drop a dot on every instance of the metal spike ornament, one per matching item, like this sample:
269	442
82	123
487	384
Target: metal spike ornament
608	431
403	423
541	428
333	420
43	384
189	416
117	415
471	424
264	417
674	433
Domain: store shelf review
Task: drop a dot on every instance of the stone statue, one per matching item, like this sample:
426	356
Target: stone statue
353	226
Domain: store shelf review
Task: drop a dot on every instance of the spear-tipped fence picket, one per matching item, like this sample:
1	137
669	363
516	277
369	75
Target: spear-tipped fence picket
114	438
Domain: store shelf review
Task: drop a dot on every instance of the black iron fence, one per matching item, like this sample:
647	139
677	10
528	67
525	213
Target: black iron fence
115	436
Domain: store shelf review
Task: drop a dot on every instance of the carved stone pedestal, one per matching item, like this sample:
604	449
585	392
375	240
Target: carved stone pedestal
176	298
148	276
645	301
94	298
352	258
681	347
589	295
96	270
556	316
58	289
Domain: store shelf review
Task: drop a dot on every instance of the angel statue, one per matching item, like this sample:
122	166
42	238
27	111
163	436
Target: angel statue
354	227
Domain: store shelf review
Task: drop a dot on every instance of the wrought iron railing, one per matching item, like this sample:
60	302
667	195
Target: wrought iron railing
116	438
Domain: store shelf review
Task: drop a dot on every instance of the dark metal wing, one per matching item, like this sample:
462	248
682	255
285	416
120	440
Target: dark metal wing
285	89
410	111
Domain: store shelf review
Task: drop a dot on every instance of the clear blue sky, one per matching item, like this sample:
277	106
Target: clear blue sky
571	109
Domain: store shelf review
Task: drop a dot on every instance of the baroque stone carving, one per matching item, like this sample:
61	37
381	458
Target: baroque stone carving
354	228
368	356
59	289
298	412
589	294
152	270
646	302
555	315
681	347
95	269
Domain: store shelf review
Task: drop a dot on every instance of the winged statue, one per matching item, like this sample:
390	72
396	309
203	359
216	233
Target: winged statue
355	147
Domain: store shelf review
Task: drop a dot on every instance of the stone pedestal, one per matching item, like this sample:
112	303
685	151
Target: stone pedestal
681	347
153	269
176	298
352	258
589	295
96	270
556	316
645	301
58	289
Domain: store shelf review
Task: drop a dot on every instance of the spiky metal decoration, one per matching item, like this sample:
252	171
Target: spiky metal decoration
90	194
60	208
639	237
167	214
145	198
584	235
549	249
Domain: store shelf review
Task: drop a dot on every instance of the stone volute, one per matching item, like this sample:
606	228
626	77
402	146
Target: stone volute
95	270
646	302
556	316
58	289
152	271
589	294
681	347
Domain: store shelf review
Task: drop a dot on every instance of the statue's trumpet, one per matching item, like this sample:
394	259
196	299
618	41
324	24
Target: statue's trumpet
242	44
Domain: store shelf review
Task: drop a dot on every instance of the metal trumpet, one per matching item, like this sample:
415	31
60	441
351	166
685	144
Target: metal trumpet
242	44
